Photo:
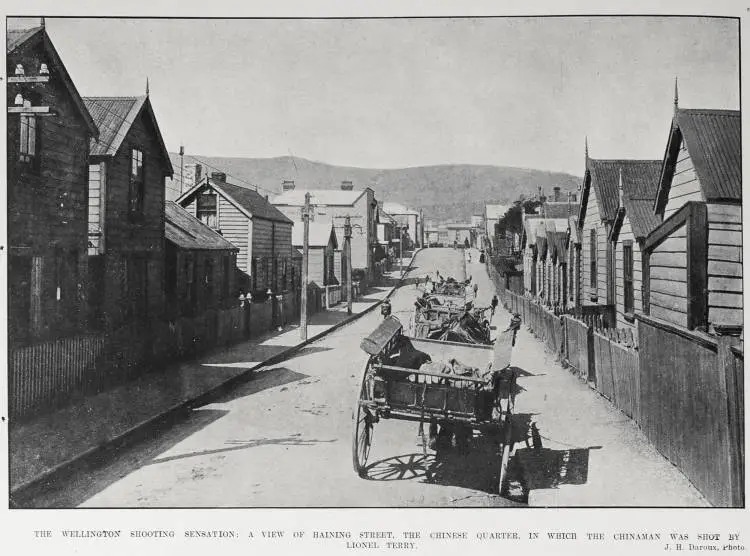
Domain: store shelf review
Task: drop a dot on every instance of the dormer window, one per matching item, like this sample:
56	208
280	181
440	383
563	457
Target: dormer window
206	209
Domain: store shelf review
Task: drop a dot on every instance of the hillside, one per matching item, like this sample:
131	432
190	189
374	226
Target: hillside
445	192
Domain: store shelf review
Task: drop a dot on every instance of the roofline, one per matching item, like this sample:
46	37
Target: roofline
204	181
67	80
327	204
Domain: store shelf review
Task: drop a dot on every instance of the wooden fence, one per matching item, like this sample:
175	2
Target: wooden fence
690	406
684	389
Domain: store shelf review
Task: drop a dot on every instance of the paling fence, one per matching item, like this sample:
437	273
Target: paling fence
684	389
48	375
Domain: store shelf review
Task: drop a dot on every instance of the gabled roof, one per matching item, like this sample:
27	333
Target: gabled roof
330	197
115	116
557	209
15	39
319	234
714	140
575	236
186	231
541	246
604	177
248	201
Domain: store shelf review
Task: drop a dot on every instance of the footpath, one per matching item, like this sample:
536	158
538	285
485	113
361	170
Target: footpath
44	448
591	454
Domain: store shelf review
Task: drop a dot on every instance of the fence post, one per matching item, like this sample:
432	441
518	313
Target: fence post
734	390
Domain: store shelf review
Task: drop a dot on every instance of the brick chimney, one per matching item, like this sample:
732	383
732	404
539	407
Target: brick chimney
287	185
556	196
220	177
347	185
198	173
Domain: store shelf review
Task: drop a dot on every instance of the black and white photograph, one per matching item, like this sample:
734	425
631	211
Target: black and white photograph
374	262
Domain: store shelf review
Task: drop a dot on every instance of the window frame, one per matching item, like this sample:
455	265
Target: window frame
594	262
200	211
137	184
628	297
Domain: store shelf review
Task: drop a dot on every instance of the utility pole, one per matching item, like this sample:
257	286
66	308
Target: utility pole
182	167
348	256
401	249
305	248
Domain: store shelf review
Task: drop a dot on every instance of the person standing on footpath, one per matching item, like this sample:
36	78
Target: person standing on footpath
494	304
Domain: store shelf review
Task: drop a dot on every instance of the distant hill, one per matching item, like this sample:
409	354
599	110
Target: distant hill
445	192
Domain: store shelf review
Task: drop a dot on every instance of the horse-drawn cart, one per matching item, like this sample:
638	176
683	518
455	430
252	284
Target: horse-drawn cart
455	386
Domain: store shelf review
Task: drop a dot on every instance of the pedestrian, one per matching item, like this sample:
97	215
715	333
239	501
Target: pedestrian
469	256
476	287
494	304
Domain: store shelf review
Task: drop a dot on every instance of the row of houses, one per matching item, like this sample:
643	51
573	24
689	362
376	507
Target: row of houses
659	237
93	243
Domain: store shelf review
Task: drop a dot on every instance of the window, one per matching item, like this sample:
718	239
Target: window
206	210
593	255
627	263
28	148
137	183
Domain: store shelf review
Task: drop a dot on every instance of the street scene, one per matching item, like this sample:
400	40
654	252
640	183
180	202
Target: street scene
256	328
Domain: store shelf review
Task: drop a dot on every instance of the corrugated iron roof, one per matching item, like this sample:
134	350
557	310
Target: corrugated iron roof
186	231
557	209
333	197
16	37
395	208
605	179
319	234
573	229
641	215
556	242
541	246
714	141
252	201
113	116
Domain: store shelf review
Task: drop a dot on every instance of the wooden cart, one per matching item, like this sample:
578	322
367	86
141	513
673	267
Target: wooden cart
393	387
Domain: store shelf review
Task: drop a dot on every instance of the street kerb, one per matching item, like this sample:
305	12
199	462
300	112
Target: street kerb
26	489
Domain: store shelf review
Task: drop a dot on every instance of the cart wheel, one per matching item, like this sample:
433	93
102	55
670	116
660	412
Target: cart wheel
502	485
363	429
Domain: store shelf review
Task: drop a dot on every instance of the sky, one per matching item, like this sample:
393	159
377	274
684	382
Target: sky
391	93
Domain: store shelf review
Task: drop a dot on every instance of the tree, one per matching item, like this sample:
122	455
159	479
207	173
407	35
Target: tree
512	220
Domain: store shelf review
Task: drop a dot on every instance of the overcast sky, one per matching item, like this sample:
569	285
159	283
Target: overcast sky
410	92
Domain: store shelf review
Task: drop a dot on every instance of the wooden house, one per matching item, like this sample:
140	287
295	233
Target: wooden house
128	164
199	266
48	135
693	260
245	218
322	248
557	265
600	202
573	249
634	220
492	215
334	205
408	220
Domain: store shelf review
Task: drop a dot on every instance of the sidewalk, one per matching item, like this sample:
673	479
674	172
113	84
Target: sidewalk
592	454
50	443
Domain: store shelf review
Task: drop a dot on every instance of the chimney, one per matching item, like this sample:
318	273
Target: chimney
556	189
347	186
220	177
198	173
287	185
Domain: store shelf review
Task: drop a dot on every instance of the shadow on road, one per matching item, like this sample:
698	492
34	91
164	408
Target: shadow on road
269	378
256	354
94	474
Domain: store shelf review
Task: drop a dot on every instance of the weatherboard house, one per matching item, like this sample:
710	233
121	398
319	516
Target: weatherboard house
333	206
48	134
322	250
245	218
127	168
692	261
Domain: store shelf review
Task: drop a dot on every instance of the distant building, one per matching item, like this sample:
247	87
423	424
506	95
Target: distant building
333	205
407	218
322	247
261	232
492	215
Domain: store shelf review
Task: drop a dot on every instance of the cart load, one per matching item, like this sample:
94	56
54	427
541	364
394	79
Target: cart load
454	386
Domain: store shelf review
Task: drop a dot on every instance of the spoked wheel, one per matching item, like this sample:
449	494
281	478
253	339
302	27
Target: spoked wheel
364	423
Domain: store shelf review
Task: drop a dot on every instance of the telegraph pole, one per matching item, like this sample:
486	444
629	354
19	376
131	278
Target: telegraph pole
348	256
182	166
401	249
305	247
